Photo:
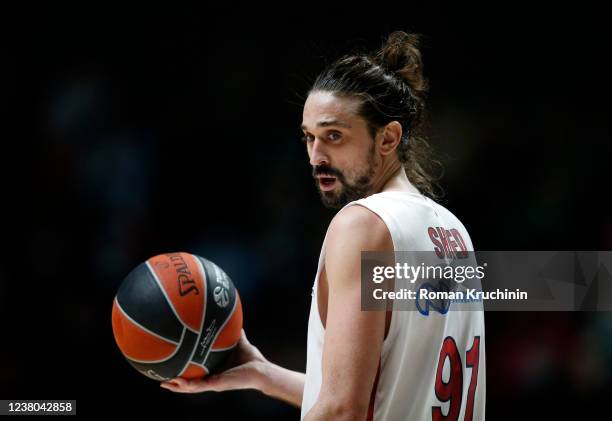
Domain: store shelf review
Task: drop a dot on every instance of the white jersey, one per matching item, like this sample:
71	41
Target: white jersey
432	366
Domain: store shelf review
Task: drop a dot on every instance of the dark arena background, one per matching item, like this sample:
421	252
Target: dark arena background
137	130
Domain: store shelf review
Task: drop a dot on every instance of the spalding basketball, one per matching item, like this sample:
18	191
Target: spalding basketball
177	315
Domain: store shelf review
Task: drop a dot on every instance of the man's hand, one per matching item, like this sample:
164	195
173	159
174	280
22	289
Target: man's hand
245	370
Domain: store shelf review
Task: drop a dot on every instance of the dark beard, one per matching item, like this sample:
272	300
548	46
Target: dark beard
349	192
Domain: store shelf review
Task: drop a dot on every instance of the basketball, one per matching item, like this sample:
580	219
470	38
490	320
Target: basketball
177	315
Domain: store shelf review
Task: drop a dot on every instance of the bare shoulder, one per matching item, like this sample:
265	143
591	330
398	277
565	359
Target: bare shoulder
359	229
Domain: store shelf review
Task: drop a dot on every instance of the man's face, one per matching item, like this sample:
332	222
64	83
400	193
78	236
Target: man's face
340	148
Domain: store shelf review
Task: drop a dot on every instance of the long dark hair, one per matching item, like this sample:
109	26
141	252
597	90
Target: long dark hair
391	87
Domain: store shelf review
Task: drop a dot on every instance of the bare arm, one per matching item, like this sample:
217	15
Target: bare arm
249	370
353	338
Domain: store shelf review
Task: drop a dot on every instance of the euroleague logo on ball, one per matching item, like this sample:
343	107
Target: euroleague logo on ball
221	293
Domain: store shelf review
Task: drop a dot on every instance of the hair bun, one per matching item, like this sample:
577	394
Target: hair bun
400	55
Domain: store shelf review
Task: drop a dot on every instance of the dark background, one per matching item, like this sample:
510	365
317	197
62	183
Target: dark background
136	130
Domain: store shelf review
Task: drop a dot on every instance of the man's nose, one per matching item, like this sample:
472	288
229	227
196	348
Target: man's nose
318	154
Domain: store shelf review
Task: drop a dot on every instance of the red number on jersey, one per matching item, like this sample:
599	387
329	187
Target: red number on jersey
451	391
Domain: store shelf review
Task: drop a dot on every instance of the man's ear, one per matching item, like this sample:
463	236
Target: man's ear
391	135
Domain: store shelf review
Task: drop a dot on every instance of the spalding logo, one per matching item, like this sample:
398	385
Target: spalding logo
152	374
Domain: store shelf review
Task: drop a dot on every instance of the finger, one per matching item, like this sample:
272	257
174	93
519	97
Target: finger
179	381
177	385
231	379
189	386
228	380
170	386
243	337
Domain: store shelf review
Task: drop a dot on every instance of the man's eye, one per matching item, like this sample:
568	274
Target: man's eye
334	136
307	138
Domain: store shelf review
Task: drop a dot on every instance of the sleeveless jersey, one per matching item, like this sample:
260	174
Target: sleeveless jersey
432	366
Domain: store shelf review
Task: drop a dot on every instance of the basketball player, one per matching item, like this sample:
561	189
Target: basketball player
363	128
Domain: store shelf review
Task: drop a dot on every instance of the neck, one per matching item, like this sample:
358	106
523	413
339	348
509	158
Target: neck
393	178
